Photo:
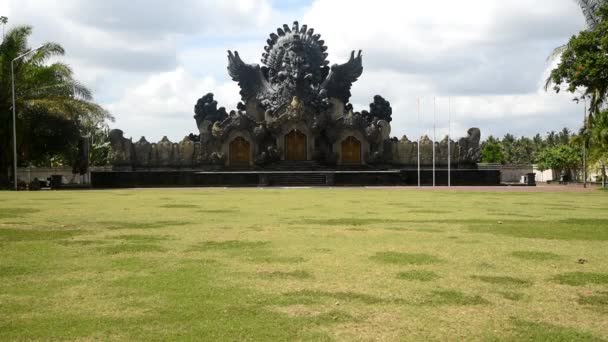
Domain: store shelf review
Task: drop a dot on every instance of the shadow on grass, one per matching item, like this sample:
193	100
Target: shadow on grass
581	278
345	221
571	229
277	260
453	298
13	271
536	256
15	235
533	331
179	206
218	211
308	297
513	296
229	245
131	248
116	225
597	302
140	238
9	213
299	274
418	275
405	258
504	280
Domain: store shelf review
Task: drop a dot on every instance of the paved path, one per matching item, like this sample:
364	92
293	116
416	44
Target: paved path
538	188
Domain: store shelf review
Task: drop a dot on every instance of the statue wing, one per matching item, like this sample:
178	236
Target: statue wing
342	76
249	76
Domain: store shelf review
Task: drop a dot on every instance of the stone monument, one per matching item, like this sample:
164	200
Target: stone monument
295	109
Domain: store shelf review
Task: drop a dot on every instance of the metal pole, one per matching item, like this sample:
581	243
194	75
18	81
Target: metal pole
585	145
15	114
449	141
419	184
434	135
14	128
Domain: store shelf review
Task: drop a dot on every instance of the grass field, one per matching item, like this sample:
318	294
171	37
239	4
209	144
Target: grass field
273	264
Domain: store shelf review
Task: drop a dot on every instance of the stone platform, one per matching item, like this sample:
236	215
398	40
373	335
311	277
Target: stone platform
194	178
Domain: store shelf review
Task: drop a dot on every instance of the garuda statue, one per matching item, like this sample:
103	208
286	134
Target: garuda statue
294	65
295	109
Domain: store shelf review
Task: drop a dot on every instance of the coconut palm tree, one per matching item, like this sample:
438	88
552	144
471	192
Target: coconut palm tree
51	105
589	9
599	142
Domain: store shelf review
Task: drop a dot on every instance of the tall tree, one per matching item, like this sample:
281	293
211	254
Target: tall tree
53	108
599	142
590	10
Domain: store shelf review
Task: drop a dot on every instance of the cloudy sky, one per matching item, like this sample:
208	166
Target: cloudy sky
148	61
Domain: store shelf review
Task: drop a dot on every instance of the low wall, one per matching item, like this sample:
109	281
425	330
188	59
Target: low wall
513	173
28	174
406	177
143	179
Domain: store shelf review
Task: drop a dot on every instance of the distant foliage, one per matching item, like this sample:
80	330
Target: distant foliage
492	152
562	158
523	150
54	110
380	109
584	61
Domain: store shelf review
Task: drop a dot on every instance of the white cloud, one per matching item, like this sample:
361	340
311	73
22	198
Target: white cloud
166	100
490	56
149	61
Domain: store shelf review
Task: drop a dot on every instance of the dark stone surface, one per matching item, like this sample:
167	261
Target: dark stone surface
132	179
146	179
293	89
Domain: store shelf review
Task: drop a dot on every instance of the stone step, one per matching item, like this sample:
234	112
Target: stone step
298	179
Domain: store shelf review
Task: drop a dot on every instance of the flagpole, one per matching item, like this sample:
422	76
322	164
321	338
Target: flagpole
585	144
434	135
449	141
419	104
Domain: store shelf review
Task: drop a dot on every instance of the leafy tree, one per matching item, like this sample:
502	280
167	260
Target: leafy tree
590	11
538	142
584	61
53	108
492	151
563	159
100	147
599	142
523	151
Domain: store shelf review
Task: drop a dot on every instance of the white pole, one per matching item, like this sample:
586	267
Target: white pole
419	104
434	135
585	144
449	141
15	115
14	130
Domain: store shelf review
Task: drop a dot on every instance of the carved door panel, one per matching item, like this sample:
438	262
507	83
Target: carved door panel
295	146
240	151
351	151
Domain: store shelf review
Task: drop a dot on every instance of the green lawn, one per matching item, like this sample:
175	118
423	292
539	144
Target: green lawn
272	264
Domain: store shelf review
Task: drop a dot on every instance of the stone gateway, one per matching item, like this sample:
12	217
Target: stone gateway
295	109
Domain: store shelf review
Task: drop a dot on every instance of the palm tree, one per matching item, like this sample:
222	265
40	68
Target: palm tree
45	93
598	134
589	8
3	22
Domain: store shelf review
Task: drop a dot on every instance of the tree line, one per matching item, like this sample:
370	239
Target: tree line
559	151
53	109
582	72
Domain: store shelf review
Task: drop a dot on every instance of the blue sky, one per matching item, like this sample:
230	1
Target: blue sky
149	61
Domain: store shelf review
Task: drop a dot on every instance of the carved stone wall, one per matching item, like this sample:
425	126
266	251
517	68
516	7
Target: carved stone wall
465	153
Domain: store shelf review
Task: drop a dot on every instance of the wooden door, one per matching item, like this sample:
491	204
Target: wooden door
240	151
351	151
295	146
